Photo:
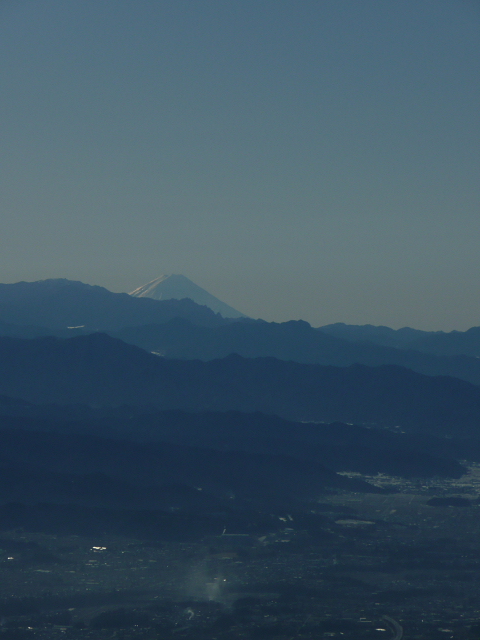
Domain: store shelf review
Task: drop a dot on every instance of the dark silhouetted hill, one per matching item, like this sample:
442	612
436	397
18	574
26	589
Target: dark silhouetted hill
181	329
101	371
87	469
294	340
437	343
452	343
59	303
381	335
24	331
338	446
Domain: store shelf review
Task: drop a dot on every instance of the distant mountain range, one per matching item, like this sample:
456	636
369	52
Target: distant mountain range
384	336
437	343
101	371
186	330
178	287
338	446
176	421
294	340
61	304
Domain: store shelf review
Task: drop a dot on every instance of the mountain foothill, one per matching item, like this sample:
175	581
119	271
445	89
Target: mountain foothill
111	401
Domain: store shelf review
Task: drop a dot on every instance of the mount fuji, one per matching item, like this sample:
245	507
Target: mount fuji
178	287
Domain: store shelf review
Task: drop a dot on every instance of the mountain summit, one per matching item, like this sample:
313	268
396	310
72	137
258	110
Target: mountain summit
177	286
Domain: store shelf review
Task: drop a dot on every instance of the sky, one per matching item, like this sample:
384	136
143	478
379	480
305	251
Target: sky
314	159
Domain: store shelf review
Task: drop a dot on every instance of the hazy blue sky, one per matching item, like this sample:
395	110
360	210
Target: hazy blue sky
314	159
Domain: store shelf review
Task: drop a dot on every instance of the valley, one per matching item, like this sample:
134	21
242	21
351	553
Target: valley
345	569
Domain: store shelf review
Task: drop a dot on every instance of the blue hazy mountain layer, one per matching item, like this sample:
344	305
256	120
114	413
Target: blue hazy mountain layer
58	304
102	371
294	340
435	342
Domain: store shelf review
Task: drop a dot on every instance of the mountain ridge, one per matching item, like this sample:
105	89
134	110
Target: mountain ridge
177	286
102	371
295	340
441	343
58	304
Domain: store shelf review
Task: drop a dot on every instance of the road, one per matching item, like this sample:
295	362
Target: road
396	627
